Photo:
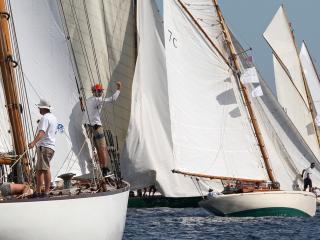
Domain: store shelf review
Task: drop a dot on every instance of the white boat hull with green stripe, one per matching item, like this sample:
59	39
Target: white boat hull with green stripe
259	204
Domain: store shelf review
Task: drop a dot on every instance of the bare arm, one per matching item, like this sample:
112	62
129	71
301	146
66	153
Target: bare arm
39	135
115	95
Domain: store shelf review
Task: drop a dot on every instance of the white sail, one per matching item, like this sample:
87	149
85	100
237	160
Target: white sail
279	36
204	12
211	132
291	91
48	73
311	76
102	34
147	157
288	152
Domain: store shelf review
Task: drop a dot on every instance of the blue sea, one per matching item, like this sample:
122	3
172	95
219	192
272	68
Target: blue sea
196	223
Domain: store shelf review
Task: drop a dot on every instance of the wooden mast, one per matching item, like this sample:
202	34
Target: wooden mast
10	87
244	92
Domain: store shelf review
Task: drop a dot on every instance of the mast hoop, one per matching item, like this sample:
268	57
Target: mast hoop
9	59
6	15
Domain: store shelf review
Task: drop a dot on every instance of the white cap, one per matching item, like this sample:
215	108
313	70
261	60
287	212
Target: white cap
44	104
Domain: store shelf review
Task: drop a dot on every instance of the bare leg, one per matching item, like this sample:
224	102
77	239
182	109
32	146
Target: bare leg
47	180
17	189
40	179
103	156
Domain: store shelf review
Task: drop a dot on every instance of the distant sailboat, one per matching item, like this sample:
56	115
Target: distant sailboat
292	90
313	82
46	69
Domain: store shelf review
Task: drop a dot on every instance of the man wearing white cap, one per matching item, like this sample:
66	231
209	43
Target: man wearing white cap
45	142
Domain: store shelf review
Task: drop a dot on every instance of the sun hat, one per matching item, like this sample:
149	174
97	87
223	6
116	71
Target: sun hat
44	104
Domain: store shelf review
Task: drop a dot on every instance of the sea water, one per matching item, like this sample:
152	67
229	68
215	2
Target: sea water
196	223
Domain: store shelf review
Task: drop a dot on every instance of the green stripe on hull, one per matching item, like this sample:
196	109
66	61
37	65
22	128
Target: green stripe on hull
264	212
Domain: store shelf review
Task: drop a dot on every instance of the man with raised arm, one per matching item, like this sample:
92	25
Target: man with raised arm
93	123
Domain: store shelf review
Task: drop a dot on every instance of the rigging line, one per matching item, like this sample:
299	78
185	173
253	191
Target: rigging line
91	40
20	157
82	42
196	185
75	68
72	55
78	155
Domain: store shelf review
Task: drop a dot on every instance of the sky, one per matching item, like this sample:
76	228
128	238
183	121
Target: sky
248	19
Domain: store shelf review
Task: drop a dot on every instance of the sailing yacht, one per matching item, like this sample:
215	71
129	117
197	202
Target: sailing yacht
203	121
313	82
239	158
40	63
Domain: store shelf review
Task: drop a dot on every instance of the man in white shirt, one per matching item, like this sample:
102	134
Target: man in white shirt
45	142
306	174
93	123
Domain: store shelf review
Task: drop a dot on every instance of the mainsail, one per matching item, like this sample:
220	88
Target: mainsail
210	128
291	90
311	76
147	158
102	37
48	73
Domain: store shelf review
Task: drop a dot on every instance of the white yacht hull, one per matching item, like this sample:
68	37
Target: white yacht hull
271	203
99	216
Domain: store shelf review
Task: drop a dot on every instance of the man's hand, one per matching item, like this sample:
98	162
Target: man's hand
119	84
31	145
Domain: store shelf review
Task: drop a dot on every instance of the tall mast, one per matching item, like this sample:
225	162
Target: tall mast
244	92
10	87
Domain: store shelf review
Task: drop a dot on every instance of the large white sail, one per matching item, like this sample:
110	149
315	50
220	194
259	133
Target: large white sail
279	36
291	91
147	157
48	73
210	128
311	76
102	34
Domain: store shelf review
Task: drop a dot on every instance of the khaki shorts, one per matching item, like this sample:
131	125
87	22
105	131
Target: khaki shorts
97	133
44	156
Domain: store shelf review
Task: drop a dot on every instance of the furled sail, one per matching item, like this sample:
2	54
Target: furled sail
291	91
147	157
311	76
102	35
211	132
48	73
